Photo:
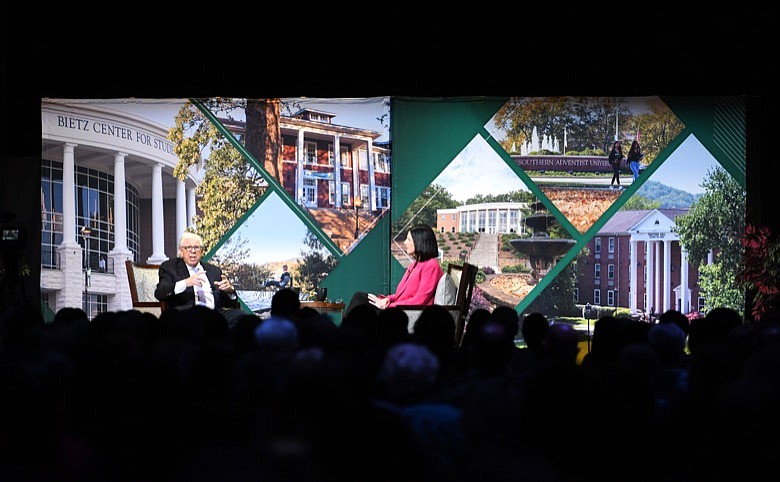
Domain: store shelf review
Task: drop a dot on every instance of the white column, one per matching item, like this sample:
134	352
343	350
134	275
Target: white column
69	196
337	170
70	251
684	301
371	180
649	283
120	203
667	288
299	171
355	174
181	209
158	234
191	210
657	279
632	283
120	252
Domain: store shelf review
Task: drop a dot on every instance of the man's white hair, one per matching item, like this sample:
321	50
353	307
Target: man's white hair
188	236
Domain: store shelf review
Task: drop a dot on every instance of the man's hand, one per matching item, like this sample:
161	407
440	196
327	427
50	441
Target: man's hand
224	285
198	279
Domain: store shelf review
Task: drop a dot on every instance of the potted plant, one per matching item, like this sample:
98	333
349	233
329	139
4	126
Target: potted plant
760	270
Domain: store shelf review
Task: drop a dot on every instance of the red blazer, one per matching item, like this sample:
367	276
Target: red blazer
418	285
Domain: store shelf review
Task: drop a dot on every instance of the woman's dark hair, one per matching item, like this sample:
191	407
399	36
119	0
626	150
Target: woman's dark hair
635	144
425	245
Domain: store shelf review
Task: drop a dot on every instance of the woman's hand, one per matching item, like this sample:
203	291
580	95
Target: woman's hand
379	301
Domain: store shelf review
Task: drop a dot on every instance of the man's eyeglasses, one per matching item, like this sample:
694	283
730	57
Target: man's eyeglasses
191	248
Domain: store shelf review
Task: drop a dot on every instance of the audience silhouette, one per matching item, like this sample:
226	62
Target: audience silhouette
294	396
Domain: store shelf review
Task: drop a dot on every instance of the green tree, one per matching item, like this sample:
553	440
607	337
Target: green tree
589	122
514	196
715	222
639	203
657	128
231	254
315	264
558	297
251	276
520	115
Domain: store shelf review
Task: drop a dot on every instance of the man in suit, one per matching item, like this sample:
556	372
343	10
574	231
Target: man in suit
186	281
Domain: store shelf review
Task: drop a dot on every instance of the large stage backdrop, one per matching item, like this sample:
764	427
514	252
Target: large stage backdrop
520	187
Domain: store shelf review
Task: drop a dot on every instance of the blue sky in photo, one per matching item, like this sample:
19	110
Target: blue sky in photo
477	169
274	232
686	167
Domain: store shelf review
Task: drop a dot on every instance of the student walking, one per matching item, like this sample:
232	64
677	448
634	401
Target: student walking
634	156
615	159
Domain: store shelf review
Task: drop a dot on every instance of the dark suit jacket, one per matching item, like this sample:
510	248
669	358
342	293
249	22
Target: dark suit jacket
174	270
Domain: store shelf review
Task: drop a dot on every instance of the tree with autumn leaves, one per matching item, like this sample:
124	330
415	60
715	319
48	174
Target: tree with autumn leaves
589	122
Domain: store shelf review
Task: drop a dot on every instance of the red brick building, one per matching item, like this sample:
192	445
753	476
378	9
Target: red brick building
326	165
636	261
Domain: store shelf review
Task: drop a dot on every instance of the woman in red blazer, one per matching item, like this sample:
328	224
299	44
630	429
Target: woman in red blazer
418	285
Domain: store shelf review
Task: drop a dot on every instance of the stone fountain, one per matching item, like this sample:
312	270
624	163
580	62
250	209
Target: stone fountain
542	251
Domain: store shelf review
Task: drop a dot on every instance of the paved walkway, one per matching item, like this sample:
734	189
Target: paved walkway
604	180
485	251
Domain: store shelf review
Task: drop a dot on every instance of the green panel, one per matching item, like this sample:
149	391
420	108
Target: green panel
719	124
366	268
427	134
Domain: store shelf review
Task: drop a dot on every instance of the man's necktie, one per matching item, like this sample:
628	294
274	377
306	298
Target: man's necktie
199	290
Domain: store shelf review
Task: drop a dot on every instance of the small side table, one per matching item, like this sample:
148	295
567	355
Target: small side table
324	306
